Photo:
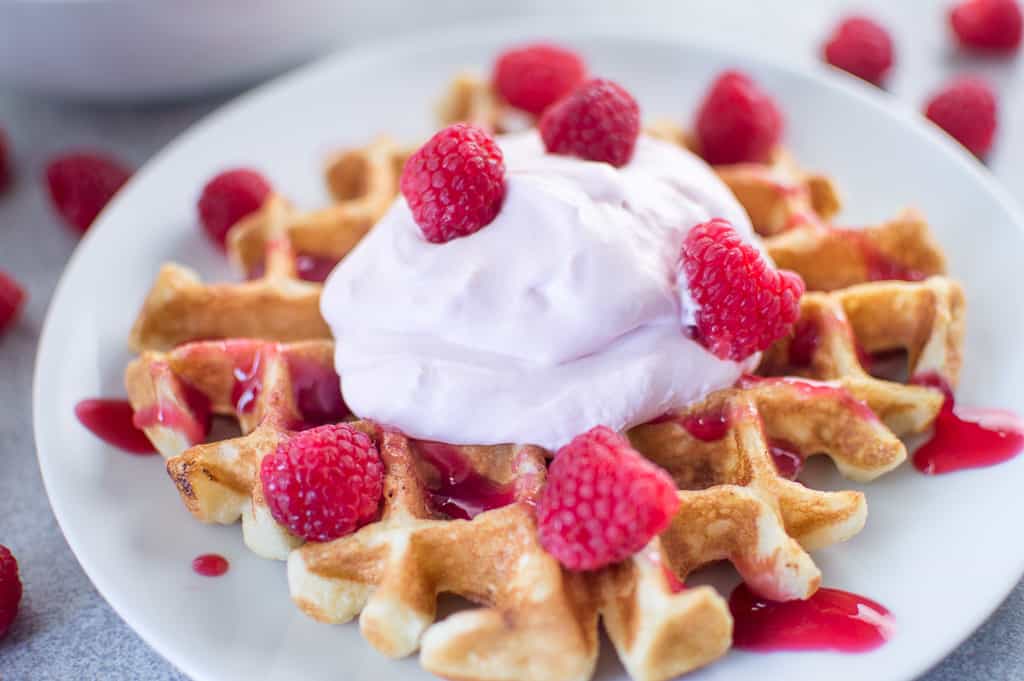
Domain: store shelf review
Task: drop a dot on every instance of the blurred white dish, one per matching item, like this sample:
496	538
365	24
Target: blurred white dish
115	49
939	552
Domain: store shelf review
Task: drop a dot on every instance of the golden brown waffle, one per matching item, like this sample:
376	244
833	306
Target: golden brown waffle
536	620
269	388
792	210
284	255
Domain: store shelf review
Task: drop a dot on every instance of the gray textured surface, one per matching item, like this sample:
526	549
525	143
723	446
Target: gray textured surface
65	630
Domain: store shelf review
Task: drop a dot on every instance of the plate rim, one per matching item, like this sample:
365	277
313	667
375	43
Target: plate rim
820	75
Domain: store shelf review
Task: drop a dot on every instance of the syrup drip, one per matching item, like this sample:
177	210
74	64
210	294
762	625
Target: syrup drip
317	393
829	620
460	492
314	268
193	423
880	267
308	267
817	390
787	461
210	565
248	384
112	422
967	437
707	426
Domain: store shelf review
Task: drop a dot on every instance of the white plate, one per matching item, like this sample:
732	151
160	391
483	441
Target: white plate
940	552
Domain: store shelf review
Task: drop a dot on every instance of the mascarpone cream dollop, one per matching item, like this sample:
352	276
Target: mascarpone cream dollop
563	313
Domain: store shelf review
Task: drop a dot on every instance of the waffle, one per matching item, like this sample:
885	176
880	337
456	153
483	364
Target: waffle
538	621
284	254
269	388
258	353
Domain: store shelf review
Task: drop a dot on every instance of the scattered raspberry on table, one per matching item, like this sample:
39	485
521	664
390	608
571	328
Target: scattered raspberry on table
12	298
10	590
861	46
988	25
5	161
82	183
967	109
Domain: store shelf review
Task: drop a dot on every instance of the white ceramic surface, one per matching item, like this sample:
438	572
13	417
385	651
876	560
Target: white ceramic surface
940	552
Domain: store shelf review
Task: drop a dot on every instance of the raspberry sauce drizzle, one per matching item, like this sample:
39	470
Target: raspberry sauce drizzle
248	384
317	393
829	620
193	422
787	461
967	437
460	492
113	422
210	565
880	267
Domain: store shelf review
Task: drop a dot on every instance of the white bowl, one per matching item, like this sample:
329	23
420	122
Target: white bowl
122	49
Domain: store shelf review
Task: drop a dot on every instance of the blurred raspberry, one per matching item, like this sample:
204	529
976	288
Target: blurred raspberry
988	25
737	122
10	590
455	183
533	77
229	197
12	298
862	47
599	121
323	483
602	502
967	109
82	183
744	303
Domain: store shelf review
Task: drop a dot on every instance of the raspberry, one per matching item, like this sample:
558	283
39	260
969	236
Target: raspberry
5	162
861	47
737	122
966	109
12	297
603	501
455	183
599	121
323	483
10	590
82	183
988	25
743	303
228	198
533	77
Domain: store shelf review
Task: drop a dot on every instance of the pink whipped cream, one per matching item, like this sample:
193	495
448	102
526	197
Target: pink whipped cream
564	313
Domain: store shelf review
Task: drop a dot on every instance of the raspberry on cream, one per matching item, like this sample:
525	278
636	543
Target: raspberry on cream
563	314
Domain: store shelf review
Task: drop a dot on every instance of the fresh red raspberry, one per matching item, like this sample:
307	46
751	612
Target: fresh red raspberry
323	483
966	109
455	183
229	197
603	501
599	121
82	183
5	161
12	297
862	47
737	122
743	303
988	25
533	77
10	590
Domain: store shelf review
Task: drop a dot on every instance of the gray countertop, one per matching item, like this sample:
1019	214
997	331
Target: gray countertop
65	630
